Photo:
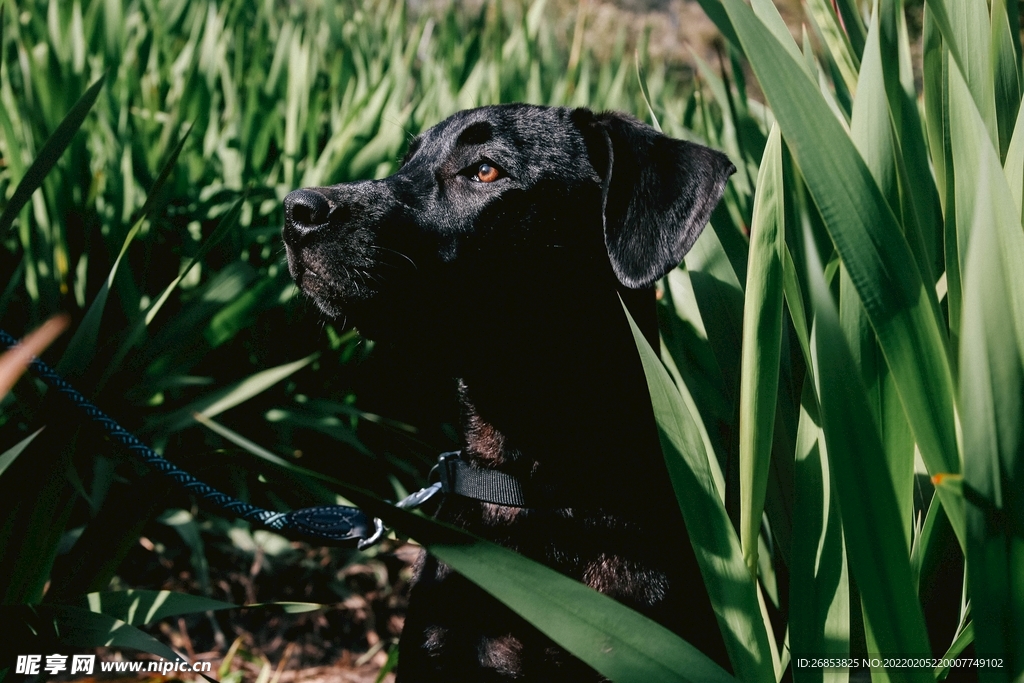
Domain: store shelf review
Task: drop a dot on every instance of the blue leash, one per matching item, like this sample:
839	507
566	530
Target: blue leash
333	524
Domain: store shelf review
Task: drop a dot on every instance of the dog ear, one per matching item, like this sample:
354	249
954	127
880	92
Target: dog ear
657	193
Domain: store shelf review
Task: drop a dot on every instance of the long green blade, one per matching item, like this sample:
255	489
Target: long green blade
965	28
819	621
878	550
618	642
1014	164
900	305
139	607
992	375
872	133
1006	66
732	590
50	153
762	343
976	155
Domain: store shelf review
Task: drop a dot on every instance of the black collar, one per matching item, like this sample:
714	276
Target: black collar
460	477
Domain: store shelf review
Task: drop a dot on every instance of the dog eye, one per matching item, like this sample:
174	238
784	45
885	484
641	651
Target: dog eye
485	173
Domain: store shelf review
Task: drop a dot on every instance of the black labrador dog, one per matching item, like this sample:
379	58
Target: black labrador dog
503	245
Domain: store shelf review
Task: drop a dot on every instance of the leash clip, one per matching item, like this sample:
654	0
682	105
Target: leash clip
413	500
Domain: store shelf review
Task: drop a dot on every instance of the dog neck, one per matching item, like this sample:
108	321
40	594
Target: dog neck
563	402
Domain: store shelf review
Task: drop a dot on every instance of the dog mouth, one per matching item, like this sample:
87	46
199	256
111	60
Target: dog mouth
333	295
342	250
344	281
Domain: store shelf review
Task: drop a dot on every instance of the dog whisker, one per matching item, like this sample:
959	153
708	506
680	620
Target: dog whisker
394	251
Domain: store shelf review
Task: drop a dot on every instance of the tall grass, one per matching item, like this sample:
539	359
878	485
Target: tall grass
866	340
849	330
145	148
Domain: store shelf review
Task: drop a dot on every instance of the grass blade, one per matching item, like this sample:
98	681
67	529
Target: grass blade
960	643
762	343
965	27
836	40
50	153
902	309
1006	67
878	550
161	179
82	346
8	456
819	620
79	627
873	135
975	154
1014	164
732	591
140	607
231	396
618	642
993	428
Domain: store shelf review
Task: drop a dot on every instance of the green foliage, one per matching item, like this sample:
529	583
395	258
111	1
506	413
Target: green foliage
144	150
897	339
856	302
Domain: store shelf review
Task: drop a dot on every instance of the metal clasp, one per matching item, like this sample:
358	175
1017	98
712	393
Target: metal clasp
413	500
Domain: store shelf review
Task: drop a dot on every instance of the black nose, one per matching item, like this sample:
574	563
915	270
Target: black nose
303	211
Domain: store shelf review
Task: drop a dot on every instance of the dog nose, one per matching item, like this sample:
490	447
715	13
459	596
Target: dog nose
303	211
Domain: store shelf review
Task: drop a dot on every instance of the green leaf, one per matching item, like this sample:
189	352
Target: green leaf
965	27
836	40
303	473
82	347
870	127
50	154
795	304
1014	164
1005	45
992	377
719	295
819	621
935	53
902	309
976	156
960	643
762	343
230	396
873	135
8	456
226	224
853	24
918	197
161	179
768	13
878	552
614	640
618	642
732	590
140	607
79	627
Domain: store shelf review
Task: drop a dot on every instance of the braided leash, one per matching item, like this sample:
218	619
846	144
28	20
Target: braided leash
334	524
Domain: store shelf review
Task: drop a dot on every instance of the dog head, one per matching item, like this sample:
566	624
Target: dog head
491	193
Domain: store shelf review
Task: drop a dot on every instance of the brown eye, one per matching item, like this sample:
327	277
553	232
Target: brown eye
485	173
